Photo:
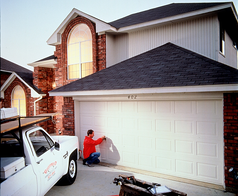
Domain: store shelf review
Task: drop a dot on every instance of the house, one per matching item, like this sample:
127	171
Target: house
18	90
161	84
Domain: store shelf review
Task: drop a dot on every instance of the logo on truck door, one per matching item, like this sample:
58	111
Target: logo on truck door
50	170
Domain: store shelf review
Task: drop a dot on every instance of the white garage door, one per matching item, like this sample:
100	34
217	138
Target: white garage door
179	138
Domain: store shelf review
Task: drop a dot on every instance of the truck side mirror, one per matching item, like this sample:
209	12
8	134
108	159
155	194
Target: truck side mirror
57	146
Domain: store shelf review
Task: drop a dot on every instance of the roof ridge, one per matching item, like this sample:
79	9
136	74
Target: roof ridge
160	12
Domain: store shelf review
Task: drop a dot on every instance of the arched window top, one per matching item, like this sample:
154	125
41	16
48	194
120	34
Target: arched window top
79	33
18	93
79	52
19	100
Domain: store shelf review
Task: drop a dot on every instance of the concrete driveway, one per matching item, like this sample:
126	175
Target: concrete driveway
98	181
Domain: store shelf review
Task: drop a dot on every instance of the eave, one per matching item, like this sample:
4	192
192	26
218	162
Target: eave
11	78
48	63
177	18
101	26
159	90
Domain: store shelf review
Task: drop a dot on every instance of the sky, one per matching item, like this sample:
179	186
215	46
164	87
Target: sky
26	25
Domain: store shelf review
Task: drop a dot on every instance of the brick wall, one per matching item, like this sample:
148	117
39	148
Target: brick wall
43	79
29	100
65	106
101	55
231	139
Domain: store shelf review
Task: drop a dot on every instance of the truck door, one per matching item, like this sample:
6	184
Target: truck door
47	159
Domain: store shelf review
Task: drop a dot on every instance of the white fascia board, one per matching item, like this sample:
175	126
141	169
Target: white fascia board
184	89
10	79
152	97
101	26
48	63
174	18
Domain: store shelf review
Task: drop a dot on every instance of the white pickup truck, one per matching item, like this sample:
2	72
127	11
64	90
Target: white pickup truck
32	161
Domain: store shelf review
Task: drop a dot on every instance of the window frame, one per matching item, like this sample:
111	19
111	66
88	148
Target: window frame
222	42
19	100
79	45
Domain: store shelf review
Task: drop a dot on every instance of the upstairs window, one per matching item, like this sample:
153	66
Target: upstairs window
19	100
222	40
79	50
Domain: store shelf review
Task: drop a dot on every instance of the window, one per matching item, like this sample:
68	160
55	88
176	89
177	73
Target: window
222	40
41	142
19	100
79	50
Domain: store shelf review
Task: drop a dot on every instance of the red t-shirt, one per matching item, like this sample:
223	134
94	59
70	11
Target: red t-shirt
89	146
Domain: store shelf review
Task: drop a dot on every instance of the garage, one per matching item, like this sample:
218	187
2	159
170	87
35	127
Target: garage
179	135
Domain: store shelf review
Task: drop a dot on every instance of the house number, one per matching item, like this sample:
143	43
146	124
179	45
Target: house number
132	96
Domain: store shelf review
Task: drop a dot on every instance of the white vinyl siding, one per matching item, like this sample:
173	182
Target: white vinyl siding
198	35
117	48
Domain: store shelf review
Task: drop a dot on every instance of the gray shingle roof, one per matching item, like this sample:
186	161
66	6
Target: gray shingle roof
165	66
25	74
161	12
48	58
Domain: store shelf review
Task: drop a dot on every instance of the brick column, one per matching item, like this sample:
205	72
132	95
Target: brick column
231	139
43	79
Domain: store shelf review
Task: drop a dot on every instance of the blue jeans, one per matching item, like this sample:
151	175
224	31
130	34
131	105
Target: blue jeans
93	158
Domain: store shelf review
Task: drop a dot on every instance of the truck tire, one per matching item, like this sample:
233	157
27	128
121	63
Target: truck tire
70	177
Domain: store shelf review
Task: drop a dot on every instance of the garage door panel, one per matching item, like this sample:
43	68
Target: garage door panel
185	127
100	121
145	160
207	128
207	149
180	138
113	123
164	107
184	146
183	107
128	124
129	141
128	108
164	125
129	158
87	120
184	167
146	143
207	171
87	107
164	144
164	165
208	108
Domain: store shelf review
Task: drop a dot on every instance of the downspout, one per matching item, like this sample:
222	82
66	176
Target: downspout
35	104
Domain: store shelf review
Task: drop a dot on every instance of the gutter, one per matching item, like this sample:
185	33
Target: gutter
35	105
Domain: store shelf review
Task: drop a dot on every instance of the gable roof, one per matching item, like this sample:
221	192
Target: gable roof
165	66
161	12
24	74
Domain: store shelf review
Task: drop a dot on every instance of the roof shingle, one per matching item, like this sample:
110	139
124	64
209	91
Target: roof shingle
161	12
165	66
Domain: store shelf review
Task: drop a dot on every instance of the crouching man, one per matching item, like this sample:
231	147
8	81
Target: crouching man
89	150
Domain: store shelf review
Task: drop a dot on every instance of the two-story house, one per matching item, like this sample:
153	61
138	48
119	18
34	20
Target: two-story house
162	85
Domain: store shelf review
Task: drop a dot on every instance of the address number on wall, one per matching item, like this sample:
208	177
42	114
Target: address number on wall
132	96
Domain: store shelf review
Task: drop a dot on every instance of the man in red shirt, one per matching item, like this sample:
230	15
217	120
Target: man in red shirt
89	150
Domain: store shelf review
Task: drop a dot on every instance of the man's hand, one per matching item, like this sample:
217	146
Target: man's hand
103	137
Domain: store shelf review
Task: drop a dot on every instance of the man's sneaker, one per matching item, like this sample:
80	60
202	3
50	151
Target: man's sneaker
84	162
89	165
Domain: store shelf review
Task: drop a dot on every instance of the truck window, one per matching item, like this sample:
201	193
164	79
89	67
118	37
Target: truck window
41	142
10	146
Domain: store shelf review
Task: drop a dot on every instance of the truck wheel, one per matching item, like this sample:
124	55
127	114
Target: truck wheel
70	177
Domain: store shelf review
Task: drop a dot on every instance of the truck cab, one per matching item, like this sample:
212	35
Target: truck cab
32	160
